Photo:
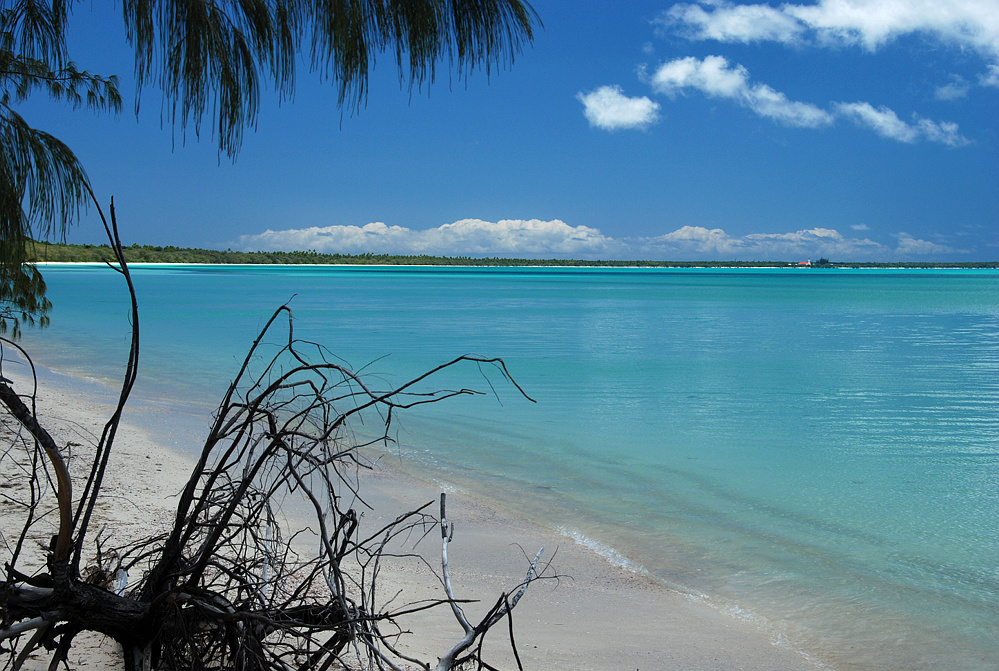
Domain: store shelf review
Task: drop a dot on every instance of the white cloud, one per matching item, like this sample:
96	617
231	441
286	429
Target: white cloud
726	22
945	132
770	103
911	247
547	239
697	240
886	123
882	121
697	243
991	77
860	227
816	241
608	108
956	88
972	24
468	237
714	77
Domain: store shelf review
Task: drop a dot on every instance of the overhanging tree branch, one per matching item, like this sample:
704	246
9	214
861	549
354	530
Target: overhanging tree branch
210	58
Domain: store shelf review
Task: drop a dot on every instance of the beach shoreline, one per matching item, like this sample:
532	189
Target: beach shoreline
595	616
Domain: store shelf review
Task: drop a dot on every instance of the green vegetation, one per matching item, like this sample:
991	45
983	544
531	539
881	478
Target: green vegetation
211	62
149	254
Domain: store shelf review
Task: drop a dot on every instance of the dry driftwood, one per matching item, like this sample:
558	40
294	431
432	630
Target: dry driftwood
227	586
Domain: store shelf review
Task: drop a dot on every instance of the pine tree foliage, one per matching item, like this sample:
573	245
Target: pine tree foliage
43	186
216	56
209	59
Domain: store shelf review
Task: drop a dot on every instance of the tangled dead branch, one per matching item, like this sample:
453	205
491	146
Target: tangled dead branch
234	583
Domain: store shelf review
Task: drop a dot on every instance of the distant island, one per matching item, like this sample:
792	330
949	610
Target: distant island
62	253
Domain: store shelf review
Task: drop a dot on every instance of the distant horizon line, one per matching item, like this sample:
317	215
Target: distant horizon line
55	253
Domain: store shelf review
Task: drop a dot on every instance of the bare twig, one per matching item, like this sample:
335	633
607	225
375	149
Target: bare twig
503	607
231	584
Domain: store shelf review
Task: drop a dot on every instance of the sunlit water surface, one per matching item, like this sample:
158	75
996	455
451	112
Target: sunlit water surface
817	451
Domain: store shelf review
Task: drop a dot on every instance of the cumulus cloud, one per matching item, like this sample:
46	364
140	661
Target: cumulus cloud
822	241
886	123
910	247
970	24
547	239
714	77
468	237
696	242
608	108
726	22
860	227
699	242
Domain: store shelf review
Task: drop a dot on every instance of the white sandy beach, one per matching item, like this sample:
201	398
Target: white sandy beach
597	616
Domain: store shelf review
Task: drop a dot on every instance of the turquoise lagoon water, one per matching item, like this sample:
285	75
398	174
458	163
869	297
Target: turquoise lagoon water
816	451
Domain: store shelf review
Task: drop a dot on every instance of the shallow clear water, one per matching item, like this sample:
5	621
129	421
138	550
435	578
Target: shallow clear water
817	451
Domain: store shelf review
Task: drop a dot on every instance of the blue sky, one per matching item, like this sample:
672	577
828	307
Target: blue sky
850	129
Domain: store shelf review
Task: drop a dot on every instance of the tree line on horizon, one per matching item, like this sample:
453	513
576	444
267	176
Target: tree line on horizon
135	253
